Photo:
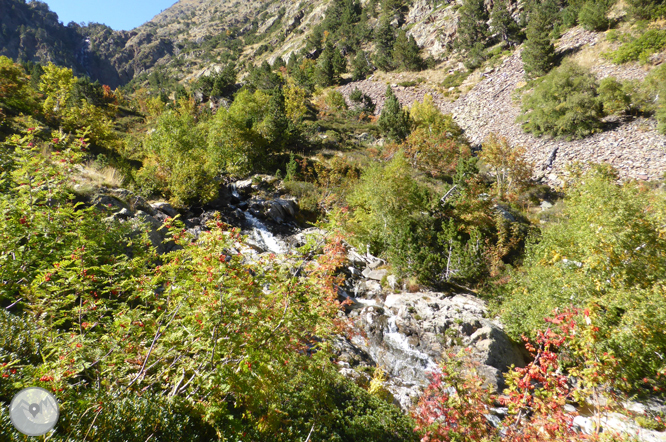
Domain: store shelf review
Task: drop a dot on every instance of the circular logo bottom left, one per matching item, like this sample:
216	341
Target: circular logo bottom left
34	411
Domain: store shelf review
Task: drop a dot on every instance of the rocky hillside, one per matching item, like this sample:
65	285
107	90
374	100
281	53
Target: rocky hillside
31	32
631	144
185	39
193	38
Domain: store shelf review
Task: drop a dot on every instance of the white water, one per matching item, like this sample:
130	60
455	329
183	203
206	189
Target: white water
394	352
263	237
409	360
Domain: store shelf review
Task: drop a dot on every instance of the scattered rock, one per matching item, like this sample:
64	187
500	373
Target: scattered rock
165	208
634	147
377	275
545	205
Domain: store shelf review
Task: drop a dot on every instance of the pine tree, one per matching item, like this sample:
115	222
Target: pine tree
384	41
394	10
325	71
502	24
394	122
472	27
277	123
339	64
593	15
406	53
361	66
645	9
539	53
330	65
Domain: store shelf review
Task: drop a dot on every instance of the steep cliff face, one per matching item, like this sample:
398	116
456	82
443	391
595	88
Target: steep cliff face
185	39
181	38
31	32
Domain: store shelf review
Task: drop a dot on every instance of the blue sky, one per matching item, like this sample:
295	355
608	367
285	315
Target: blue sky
118	14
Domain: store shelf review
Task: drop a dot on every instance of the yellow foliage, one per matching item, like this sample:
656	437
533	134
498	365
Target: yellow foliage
86	115
377	385
425	113
57	84
512	172
295	101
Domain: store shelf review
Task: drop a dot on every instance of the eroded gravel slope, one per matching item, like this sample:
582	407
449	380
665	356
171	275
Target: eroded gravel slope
633	146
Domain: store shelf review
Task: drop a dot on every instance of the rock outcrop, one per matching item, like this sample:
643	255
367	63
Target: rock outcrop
407	334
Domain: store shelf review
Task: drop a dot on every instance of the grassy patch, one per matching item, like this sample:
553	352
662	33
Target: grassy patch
640	49
455	79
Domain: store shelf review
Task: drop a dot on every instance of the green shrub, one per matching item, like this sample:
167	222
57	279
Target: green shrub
455	79
654	90
356	95
650	423
177	161
607	253
241	138
539	53
613	97
593	15
336	409
394	121
563	103
335	100
307	193
128	416
641	95
645	9
398	218
475	56
650	42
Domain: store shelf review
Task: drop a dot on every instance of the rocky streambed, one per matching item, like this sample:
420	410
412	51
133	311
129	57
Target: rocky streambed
402	333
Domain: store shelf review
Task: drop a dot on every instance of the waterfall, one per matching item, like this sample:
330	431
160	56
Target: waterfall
263	237
408	362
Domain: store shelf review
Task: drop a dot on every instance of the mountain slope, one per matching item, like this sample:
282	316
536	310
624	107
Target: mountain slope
631	144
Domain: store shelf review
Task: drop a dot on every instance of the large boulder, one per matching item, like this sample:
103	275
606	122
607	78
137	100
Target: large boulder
407	334
280	210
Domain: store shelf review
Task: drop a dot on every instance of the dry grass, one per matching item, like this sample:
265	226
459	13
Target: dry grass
618	10
106	176
432	77
590	56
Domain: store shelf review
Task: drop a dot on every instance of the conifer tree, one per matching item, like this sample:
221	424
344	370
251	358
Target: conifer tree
593	15
539	53
394	121
384	41
394	10
406	53
502	24
339	64
330	65
361	66
645	9
277	123
472	27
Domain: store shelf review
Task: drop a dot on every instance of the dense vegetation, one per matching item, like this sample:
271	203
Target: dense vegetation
200	343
